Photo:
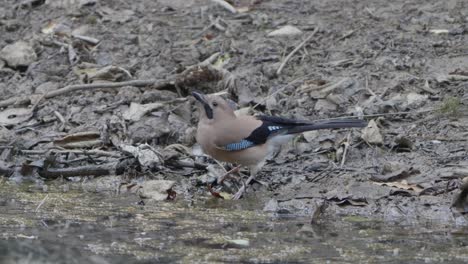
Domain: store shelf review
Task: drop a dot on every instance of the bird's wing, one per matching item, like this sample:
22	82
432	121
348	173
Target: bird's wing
266	127
243	144
282	121
270	126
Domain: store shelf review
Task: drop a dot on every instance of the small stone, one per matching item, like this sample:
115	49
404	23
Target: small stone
239	242
391	166
157	190
337	99
149	128
18	54
12	25
271	103
302	147
310	136
46	87
323	105
415	100
271	206
371	133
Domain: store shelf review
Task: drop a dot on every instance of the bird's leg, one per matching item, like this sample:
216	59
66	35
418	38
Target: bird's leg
253	173
241	191
222	178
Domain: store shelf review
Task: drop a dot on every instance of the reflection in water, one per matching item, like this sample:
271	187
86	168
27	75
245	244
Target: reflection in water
76	227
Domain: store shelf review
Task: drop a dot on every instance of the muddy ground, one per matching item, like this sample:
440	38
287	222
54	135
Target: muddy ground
402	64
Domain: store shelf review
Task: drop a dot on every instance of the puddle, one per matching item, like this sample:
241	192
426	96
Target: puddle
85	227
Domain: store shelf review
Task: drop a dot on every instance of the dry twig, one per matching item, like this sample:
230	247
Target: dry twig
279	90
78	87
41	203
226	6
241	191
280	68
345	151
94	170
96	152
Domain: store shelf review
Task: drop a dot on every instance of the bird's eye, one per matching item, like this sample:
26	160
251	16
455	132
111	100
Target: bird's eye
215	104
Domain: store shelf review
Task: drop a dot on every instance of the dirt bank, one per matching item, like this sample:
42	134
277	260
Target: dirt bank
403	64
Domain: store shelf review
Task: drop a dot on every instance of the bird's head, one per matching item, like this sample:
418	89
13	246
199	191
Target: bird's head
214	107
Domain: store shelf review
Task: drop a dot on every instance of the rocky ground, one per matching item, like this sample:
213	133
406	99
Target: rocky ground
92	88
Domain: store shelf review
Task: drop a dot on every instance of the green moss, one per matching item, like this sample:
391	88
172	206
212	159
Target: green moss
451	106
356	219
91	19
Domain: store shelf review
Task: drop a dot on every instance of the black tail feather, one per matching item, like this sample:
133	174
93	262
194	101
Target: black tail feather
328	124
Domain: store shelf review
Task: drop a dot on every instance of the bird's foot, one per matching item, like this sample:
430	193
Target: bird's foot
241	191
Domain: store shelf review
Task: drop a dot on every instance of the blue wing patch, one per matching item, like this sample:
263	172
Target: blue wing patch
243	144
274	128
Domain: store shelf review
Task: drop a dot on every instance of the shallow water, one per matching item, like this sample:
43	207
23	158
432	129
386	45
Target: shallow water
84	227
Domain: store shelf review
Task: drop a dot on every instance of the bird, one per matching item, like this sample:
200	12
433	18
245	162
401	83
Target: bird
248	140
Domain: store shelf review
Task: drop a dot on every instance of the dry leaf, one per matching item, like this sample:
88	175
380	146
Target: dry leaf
353	202
137	111
404	185
146	155
79	140
13	116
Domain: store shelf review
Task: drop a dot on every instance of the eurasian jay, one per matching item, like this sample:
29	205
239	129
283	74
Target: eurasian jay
250	140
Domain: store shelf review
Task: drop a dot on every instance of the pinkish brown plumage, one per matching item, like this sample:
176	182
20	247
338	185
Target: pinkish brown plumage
249	140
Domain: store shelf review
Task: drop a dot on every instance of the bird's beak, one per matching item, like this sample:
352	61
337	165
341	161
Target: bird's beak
202	99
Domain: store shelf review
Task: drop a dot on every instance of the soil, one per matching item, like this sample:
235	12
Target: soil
403	64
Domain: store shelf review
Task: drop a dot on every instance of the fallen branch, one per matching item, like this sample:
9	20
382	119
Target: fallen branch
91	170
202	72
384	114
215	23
75	151
278	72
186	164
78	87
91	40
